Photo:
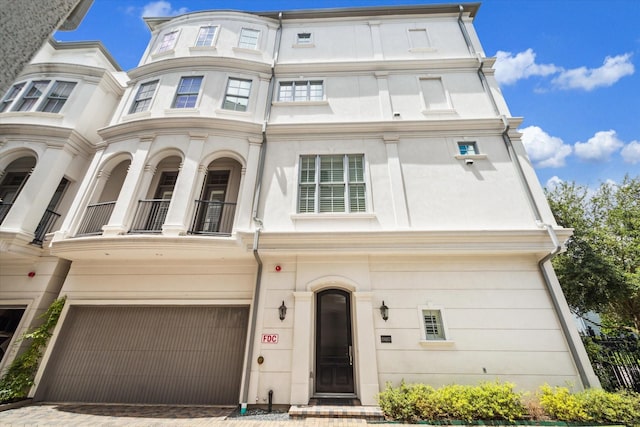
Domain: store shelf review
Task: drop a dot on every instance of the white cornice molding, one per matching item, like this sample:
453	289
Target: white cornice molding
474	242
87	73
173	125
327	68
404	128
198	63
53	136
149	247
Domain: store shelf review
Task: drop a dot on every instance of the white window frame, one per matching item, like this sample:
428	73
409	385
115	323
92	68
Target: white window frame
315	187
18	106
237	92
145	97
57	100
463	148
187	94
243	37
301	91
165	48
199	43
425	339
12	94
458	143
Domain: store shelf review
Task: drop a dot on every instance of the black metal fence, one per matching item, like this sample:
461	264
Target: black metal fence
45	226
96	216
213	217
616	361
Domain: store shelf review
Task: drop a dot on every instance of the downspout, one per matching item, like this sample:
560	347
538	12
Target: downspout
258	221
558	247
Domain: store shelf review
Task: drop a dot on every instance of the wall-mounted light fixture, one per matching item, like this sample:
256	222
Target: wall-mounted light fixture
384	311
283	311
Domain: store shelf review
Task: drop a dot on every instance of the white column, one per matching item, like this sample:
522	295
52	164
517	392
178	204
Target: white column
245	207
31	203
398	197
366	360
301	360
127	199
386	106
177	222
84	196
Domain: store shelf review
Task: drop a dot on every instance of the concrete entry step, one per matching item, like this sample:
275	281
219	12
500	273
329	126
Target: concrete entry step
344	410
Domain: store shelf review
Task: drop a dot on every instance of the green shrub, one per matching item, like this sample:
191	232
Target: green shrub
607	407
19	377
487	401
401	403
560	404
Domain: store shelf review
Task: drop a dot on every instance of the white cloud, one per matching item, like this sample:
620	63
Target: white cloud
553	182
161	8
613	69
510	68
599	147
544	150
631	152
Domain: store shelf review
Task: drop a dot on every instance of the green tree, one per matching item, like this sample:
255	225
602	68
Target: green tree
600	270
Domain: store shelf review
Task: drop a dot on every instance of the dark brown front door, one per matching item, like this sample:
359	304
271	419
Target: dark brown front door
334	346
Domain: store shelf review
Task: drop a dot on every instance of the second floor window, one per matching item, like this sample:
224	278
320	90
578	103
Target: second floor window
168	42
10	96
187	93
31	97
237	96
332	183
144	96
206	36
57	97
249	38
467	148
301	91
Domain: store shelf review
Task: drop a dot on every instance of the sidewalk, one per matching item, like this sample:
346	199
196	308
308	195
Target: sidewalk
152	415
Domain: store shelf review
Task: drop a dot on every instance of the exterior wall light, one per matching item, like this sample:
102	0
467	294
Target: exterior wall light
283	311
384	311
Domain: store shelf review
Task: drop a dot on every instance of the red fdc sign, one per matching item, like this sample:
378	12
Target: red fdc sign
270	338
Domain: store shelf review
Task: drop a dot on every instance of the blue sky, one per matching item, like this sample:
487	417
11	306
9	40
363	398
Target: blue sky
569	67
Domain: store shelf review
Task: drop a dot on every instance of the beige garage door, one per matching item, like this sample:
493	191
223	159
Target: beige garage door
146	354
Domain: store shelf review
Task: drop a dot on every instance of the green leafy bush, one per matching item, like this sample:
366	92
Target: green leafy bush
19	377
606	407
500	402
400	403
488	401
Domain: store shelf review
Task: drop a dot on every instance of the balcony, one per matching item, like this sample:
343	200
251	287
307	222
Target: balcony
97	215
150	216
213	217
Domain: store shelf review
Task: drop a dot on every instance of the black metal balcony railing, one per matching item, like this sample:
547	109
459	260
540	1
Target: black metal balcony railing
4	209
213	217
150	216
97	215
45	226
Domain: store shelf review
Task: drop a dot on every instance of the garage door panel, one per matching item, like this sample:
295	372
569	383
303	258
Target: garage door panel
132	354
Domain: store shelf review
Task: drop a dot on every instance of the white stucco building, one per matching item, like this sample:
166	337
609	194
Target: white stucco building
310	202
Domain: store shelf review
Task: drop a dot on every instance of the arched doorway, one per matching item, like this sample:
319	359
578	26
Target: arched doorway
334	343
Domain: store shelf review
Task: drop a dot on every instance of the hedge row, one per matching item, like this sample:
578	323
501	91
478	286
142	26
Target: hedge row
499	401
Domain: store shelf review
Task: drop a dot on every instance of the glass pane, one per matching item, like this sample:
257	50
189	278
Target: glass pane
356	169
286	92
331	169
306	202
205	36
307	169
332	198
315	91
357	198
